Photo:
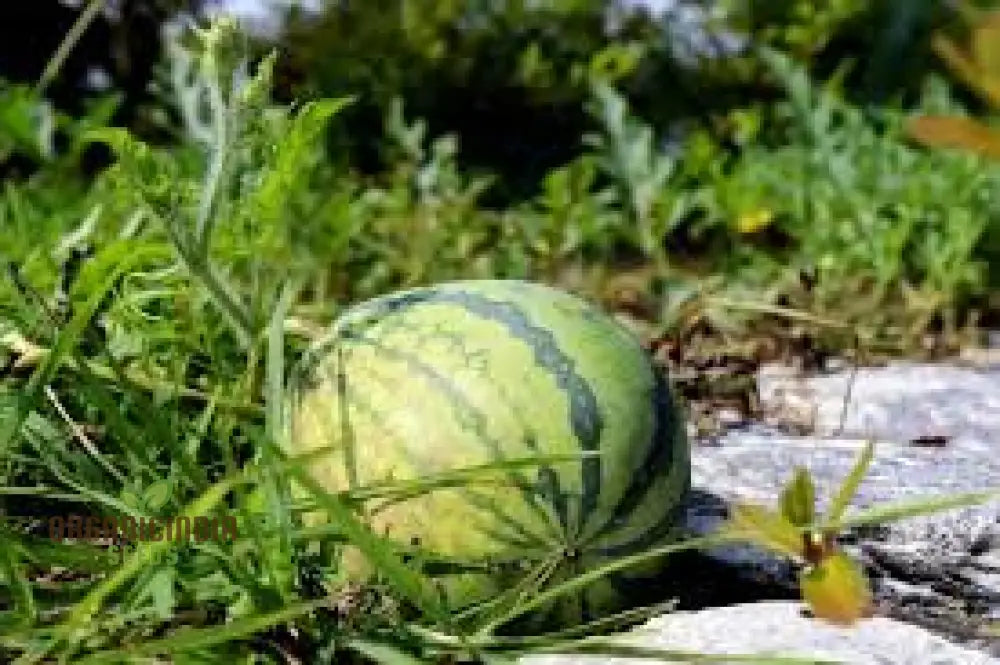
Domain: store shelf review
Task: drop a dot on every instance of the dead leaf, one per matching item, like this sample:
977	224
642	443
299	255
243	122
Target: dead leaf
955	132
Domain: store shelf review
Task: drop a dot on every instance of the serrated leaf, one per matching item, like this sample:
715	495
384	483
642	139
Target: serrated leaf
798	499
294	149
837	590
764	528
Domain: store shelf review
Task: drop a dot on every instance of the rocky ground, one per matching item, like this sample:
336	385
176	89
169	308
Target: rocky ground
936	578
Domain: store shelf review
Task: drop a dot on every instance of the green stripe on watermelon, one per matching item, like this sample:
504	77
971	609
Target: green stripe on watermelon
584	412
470	372
469	416
467	419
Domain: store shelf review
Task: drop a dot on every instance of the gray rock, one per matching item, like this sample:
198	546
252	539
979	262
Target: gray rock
899	402
941	571
780	629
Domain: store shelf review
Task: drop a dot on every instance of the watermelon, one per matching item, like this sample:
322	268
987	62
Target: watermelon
469	373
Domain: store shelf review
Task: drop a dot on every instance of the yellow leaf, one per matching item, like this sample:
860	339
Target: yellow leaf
967	70
956	132
754	220
837	590
986	46
766	529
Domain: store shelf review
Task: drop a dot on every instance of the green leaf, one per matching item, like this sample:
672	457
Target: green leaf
798	500
81	618
12	568
379	552
388	654
849	488
195	639
765	529
295	148
913	508
158	494
624	563
615	649
160	590
96	279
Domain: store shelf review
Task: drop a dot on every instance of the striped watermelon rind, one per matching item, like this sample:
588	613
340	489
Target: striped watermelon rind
461	374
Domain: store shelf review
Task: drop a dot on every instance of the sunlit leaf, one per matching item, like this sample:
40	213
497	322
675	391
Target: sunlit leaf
837	590
158	494
754	220
901	510
967	70
386	654
985	44
798	500
764	528
849	487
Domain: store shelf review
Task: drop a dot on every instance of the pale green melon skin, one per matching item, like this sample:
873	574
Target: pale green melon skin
468	373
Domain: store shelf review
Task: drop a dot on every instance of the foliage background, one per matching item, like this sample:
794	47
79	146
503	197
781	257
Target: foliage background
181	213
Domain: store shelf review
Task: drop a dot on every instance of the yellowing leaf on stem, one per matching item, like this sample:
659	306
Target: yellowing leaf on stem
754	220
837	590
766	529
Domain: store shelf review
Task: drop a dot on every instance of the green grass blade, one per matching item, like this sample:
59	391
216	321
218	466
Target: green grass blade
378	551
386	654
195	639
96	282
83	613
613	622
849	488
612	649
402	490
13	569
915	508
594	575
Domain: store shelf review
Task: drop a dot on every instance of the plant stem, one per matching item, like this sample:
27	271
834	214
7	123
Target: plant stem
58	58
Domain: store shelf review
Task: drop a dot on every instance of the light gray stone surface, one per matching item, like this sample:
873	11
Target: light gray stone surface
779	629
940	570
898	402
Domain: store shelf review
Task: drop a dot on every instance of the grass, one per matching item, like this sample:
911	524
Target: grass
149	377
